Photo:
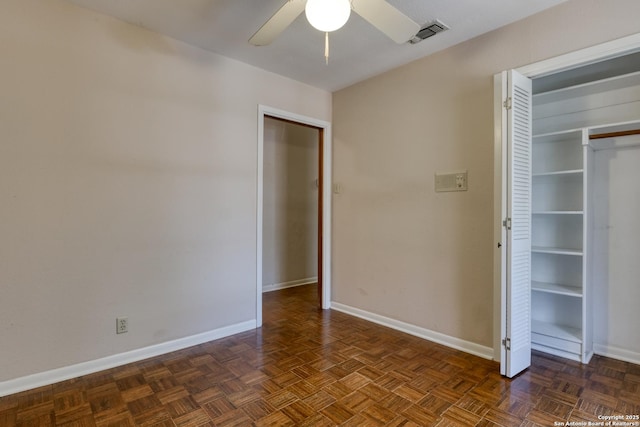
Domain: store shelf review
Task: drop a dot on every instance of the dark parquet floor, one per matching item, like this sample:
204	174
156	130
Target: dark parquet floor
306	367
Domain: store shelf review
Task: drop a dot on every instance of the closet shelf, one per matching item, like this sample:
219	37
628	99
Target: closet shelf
558	212
560	173
566	333
559	136
591	88
555	288
556	251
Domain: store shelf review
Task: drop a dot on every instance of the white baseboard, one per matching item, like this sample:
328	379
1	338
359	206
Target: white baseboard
290	284
437	337
61	374
617	353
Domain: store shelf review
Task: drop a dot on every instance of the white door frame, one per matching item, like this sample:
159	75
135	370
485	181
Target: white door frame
597	53
263	111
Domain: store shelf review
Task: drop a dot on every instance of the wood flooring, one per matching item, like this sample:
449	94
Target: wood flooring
308	367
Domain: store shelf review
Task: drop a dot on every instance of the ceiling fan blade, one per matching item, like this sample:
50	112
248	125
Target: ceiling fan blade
278	22
395	24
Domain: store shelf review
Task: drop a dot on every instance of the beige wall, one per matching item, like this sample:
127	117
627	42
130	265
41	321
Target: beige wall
290	207
400	249
128	167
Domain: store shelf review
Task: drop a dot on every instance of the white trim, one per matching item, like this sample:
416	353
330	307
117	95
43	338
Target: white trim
73	371
437	337
263	111
585	56
290	284
617	353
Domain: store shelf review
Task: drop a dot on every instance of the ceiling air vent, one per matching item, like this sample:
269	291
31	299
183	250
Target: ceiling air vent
429	30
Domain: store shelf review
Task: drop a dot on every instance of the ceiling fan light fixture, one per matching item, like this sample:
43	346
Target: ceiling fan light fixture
327	15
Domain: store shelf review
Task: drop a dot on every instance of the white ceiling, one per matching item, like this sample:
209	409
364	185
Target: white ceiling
358	50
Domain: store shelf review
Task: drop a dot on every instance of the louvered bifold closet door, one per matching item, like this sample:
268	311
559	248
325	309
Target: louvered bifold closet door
519	118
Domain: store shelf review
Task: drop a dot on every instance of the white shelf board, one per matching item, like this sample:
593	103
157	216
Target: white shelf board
555	288
559	136
557	251
589	88
558	173
556	331
558	213
557	352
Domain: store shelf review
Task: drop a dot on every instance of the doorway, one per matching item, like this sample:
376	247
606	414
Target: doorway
322	131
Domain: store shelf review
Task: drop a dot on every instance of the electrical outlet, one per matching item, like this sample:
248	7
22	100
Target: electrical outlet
122	325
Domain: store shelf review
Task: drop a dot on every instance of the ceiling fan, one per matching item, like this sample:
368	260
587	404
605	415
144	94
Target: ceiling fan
329	15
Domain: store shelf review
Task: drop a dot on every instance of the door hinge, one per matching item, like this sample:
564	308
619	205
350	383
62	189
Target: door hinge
506	342
507	223
507	103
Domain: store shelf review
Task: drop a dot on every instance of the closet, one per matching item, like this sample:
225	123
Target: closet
552	128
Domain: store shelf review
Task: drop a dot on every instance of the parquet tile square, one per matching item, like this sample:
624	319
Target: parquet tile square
337	412
541	418
317	420
121	419
152	417
502	418
357	401
302	389
554	407
487	423
378	414
277	419
281	398
420	415
434	404
473	406
359	420
207	395
389	382
267	386
135	393
408	392
375	392
182	406
402	421
35	412
319	400
218	407
455	415
308	367
337	390
298	411
516	407
236	417
75	413
171	394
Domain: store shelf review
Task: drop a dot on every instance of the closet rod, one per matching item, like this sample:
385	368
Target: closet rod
615	134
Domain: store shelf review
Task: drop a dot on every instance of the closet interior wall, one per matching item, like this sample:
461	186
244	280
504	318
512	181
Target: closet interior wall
616	245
